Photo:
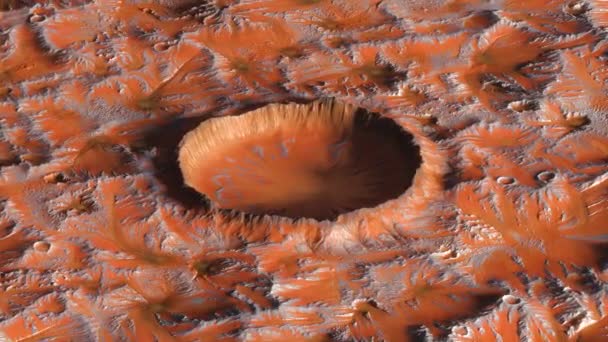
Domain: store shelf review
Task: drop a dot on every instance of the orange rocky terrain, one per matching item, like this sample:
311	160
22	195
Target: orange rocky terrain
501	236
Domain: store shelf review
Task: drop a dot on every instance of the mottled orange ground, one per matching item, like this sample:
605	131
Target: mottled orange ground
503	232
315	160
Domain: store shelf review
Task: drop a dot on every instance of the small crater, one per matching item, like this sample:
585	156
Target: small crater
545	176
505	180
510	299
55	178
523	105
460	331
211	267
36	18
575	8
41	246
162	46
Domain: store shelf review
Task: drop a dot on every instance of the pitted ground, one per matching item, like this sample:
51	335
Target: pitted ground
501	234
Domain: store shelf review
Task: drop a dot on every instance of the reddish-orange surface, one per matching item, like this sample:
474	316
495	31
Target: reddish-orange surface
503	232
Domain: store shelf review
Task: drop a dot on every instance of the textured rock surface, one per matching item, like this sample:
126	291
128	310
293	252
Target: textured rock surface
503	232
